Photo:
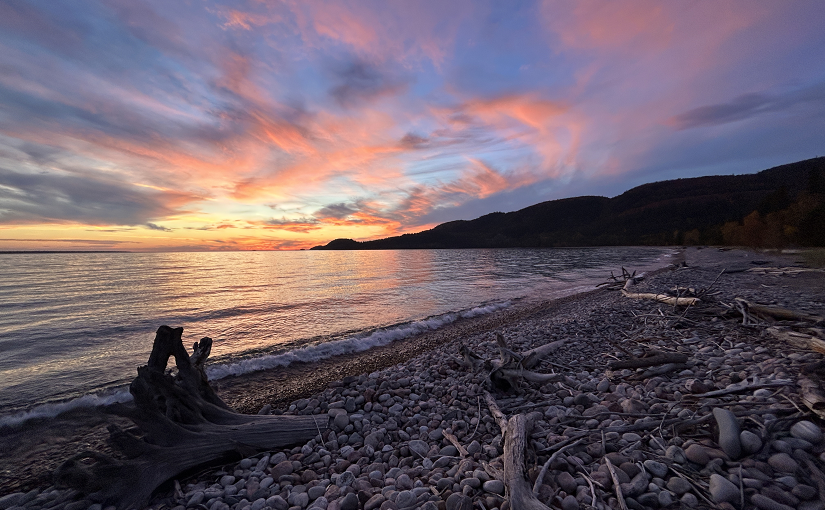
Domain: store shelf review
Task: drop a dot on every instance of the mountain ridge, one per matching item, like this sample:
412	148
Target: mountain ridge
786	202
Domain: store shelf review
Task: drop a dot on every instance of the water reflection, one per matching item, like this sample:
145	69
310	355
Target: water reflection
85	321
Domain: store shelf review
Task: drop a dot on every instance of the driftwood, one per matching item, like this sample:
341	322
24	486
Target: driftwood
184	425
614	283
783	271
507	372
811	384
516	432
662	298
752	313
659	359
798	339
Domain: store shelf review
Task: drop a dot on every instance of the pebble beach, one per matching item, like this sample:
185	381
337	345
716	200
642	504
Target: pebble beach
408	426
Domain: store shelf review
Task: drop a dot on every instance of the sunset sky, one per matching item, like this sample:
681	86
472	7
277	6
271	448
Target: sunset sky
202	125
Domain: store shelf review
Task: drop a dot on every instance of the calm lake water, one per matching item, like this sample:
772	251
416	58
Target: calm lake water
76	324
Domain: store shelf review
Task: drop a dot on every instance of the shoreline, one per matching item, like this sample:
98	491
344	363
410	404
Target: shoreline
58	438
591	319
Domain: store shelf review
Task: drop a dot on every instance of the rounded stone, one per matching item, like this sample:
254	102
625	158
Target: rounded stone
807	430
697	453
751	443
341	421
566	482
570	503
678	485
345	479
405	499
728	432
657	469
665	499
676	454
689	500
350	502
766	503
494	486
458	501
316	492
723	490
783	462
374	502
648	499
803	491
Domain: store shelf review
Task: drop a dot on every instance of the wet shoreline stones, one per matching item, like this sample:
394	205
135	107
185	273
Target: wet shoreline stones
386	448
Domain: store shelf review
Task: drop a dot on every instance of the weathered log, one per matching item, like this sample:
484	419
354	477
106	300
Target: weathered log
507	372
516	432
616	484
184	424
659	359
662	298
470	360
752	312
533	357
812	387
797	339
515	476
743	387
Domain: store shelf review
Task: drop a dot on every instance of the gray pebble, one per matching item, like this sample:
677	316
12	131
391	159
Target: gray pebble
807	430
345	479
783	462
698	454
650	499
665	499
728	432
678	485
570	503
350	502
803	491
374	502
657	469
405	499
494	486
316	492
751	443
766	503
566	482
196	499
788	481
676	454
722	489
419	447
689	500
459	502
11	500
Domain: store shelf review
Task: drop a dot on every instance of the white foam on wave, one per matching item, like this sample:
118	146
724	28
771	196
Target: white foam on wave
308	354
349	345
52	410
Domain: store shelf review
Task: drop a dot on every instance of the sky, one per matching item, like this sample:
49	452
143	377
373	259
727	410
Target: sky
206	125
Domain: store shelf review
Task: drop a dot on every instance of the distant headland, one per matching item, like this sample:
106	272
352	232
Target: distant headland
778	207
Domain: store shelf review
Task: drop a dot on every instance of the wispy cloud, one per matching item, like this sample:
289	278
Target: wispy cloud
174	125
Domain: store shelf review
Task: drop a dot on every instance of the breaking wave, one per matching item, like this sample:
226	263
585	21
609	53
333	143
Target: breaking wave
307	354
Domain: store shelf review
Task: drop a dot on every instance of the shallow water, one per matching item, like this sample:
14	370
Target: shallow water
76	323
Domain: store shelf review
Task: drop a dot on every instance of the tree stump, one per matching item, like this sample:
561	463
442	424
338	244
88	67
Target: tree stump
181	424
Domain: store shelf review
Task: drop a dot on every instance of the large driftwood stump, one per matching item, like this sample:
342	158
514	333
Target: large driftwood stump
184	424
507	372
